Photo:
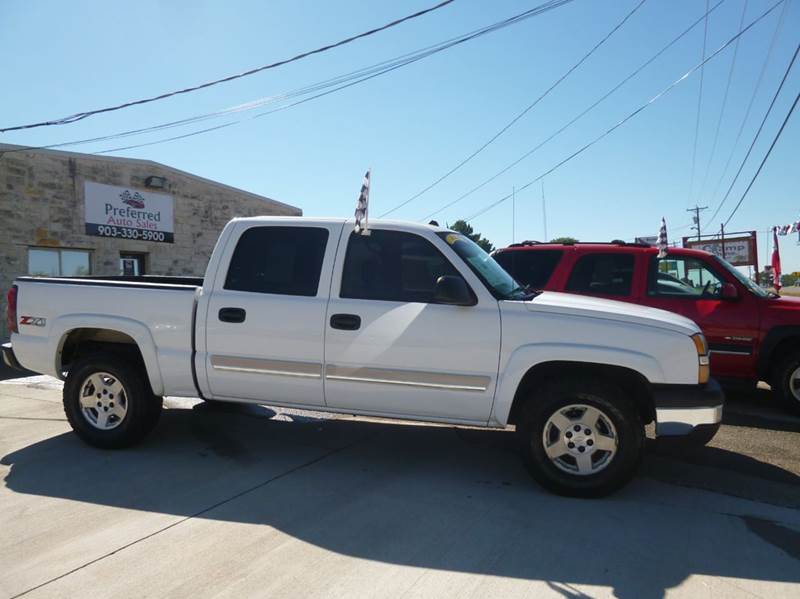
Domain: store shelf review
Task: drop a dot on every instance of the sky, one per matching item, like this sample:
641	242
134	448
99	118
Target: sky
414	124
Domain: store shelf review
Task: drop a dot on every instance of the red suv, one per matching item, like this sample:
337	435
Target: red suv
753	334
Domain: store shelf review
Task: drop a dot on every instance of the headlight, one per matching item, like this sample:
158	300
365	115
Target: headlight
704	369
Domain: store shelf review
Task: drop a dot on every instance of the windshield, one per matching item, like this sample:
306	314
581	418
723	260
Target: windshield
500	283
751	286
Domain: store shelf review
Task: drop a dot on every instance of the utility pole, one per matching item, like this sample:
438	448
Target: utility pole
696	218
544	214
722	236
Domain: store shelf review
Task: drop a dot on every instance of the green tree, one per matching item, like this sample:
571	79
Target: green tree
569	240
466	230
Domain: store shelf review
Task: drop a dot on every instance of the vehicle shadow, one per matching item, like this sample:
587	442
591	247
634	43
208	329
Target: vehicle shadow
757	408
430	497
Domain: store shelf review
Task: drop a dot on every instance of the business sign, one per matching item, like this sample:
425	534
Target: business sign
739	251
647	240
113	211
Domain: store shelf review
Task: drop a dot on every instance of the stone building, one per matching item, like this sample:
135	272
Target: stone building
67	214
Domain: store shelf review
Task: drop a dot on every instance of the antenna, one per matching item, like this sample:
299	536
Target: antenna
544	213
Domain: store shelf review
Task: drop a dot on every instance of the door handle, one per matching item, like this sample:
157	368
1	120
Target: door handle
232	314
346	322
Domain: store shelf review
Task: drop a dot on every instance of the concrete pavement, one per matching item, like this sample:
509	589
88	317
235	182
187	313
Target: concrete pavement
253	503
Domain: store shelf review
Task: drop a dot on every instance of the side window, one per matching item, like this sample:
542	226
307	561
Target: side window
681	276
532	268
604	274
281	260
392	266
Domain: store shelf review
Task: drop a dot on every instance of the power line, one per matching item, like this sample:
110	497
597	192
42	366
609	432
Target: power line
758	132
597	102
761	166
521	114
632	114
756	89
336	83
724	102
699	106
82	115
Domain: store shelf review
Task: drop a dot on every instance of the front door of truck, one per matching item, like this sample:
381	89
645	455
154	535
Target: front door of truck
391	349
265	318
692	287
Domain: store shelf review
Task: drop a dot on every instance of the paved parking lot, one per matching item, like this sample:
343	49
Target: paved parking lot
255	502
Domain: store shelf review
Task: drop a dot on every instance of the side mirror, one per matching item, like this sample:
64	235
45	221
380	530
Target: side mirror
454	291
729	292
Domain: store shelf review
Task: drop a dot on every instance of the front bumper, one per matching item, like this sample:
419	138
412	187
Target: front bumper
688	410
9	358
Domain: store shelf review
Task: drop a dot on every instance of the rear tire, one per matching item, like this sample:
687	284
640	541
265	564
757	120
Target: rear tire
785	382
581	438
108	401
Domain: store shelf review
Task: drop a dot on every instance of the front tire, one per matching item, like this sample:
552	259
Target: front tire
108	401
582	438
785	382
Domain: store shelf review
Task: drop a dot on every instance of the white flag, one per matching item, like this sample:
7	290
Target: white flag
362	206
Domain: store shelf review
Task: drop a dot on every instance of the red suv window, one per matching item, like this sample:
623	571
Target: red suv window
531	268
602	274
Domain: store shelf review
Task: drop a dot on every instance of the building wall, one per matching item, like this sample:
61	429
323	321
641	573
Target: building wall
42	205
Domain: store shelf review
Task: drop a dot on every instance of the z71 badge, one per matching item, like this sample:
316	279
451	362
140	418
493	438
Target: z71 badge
34	321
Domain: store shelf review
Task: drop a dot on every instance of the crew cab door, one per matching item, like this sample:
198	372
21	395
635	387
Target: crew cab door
390	349
265	317
692	286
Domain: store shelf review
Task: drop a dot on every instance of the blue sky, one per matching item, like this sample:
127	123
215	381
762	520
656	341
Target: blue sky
416	123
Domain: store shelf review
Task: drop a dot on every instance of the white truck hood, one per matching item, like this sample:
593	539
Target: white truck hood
593	307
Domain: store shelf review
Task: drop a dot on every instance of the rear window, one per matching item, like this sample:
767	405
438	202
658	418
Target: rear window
602	274
280	260
531	268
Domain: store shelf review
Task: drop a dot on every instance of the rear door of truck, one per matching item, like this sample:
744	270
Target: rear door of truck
265	314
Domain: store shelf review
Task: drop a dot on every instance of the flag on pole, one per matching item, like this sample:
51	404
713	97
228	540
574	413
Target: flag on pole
362	207
662	244
776	260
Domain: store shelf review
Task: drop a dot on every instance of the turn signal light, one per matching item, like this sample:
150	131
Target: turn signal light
704	368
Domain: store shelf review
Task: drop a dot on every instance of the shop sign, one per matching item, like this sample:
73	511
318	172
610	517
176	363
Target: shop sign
127	213
739	251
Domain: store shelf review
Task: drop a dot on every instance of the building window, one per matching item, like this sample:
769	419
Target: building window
132	265
53	262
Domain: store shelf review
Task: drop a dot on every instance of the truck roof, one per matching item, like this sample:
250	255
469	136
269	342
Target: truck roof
311	220
599	246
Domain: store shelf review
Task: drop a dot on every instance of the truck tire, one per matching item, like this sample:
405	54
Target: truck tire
581	438
108	401
785	381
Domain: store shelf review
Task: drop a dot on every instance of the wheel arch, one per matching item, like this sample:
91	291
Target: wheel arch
632	383
76	338
778	341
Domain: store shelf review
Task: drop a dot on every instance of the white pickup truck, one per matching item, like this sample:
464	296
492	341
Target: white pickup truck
409	321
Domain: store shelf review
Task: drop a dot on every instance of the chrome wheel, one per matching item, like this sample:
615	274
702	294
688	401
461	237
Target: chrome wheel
104	402
580	439
794	383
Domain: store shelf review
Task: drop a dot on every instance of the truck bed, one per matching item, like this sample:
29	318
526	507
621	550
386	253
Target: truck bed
156	312
122	280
